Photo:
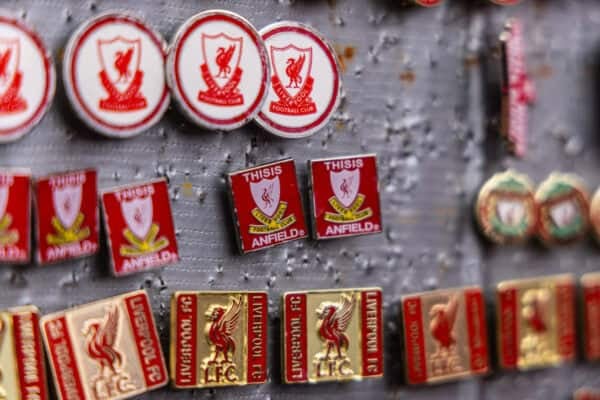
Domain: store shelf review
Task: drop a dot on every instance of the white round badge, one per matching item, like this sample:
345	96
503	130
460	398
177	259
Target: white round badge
113	71
27	79
305	81
218	70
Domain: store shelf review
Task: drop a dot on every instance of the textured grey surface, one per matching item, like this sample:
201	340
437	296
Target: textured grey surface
421	91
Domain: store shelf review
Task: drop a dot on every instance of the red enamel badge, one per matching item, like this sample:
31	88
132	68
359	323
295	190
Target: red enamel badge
344	196
67	216
139	227
15	216
267	205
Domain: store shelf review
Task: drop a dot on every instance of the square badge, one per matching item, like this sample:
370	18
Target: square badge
332	335
67	216
266	205
22	365
536	322
15	216
591	315
445	335
344	196
139	227
106	350
218	339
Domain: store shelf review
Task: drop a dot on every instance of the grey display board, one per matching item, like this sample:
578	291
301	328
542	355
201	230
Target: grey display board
421	89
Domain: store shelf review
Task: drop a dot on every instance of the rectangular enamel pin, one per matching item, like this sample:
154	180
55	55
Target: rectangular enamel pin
591	315
445	335
344	196
139	227
332	335
66	207
22	368
15	216
536	322
106	350
218	339
266	205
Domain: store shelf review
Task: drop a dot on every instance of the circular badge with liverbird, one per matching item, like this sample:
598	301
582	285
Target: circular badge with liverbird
563	206
505	208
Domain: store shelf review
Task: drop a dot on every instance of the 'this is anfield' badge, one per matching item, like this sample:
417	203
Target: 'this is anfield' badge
344	196
27	79
266	205
114	74
305	85
15	216
591	315
536	322
445	335
22	367
105	350
217	70
332	335
139	227
218	339
67	216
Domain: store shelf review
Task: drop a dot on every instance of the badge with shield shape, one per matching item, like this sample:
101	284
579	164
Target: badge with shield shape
15	216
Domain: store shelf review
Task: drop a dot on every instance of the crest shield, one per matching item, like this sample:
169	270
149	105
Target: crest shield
120	58
292	65
510	212
3	200
67	203
266	195
222	54
345	185
138	214
10	53
563	214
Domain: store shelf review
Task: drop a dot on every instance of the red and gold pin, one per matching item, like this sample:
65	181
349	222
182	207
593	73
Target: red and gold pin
106	350
22	368
563	209
67	216
15	216
139	227
591	315
266	205
218	339
586	394
445	335
332	335
536	322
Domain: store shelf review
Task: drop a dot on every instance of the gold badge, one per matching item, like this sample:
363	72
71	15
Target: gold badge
22	369
332	335
591	315
218	339
107	350
536	322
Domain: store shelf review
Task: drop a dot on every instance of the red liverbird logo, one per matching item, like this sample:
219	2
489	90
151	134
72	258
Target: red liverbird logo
443	317
11	78
293	69
534	310
334	319
223	60
222	323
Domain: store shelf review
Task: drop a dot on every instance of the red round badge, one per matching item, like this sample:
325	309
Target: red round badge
217	70
27	79
114	75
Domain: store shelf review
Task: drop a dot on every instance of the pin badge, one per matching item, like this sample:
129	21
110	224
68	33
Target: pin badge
586	394
344	196
113	71
217	69
305	87
139	227
27	79
506	209
332	335
536	322
445	335
22	368
67	216
15	216
218	339
595	215
428	3
108	349
591	315
563	207
266	205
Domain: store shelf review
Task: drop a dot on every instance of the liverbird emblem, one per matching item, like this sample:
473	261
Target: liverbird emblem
443	317
223	60
293	70
101	337
334	319
223	321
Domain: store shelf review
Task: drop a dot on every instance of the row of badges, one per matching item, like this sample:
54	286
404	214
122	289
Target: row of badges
344	201
559	212
110	349
119	75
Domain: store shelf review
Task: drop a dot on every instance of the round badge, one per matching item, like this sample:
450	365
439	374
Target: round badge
27	79
217	70
113	71
505	208
428	3
563	206
305	81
